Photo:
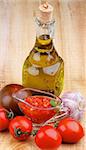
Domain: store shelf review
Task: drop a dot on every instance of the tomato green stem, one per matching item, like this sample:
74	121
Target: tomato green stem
10	115
34	132
55	125
19	132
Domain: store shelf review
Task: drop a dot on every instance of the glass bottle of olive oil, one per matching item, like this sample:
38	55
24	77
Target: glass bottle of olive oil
44	69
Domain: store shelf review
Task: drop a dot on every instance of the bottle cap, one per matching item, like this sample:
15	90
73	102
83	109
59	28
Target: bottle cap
45	12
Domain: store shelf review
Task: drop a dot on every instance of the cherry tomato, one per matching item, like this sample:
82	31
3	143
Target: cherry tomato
38	115
5	117
70	130
48	138
20	127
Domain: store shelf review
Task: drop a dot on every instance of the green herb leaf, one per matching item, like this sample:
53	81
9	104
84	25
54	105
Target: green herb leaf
53	103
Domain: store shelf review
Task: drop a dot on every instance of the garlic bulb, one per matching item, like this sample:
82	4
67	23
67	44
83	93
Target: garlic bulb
75	102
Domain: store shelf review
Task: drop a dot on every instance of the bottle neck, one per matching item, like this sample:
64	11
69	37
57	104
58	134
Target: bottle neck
44	35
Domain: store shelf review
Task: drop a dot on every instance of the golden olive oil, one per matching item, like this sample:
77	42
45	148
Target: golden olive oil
44	69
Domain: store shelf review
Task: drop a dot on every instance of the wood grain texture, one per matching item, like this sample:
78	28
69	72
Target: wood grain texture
17	37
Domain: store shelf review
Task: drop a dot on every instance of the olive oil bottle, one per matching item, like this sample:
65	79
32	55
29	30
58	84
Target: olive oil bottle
44	69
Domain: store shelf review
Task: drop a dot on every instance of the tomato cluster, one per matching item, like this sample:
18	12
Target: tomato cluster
68	131
47	137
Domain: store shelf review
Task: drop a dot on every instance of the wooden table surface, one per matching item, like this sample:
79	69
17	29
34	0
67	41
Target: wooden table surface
17	36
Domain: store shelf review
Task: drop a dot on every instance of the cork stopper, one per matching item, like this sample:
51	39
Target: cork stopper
45	12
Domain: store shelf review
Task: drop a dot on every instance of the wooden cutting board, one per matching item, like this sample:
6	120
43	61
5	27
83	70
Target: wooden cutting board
17	37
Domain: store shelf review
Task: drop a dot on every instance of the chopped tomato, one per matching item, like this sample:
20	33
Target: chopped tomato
39	111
